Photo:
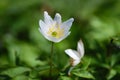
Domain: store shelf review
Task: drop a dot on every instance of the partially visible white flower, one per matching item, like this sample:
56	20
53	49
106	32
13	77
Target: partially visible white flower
75	55
53	29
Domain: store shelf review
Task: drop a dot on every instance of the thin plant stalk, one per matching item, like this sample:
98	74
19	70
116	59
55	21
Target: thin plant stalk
51	64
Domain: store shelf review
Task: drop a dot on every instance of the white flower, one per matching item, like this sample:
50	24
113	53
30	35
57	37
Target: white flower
75	55
53	29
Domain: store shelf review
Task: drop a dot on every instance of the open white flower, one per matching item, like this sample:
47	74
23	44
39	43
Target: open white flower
75	55
53	29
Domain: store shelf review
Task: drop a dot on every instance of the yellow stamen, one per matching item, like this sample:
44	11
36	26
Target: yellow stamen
55	31
54	34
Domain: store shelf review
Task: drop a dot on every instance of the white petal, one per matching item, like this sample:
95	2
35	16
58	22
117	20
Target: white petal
72	53
57	18
47	18
67	24
76	62
63	37
45	35
56	40
42	24
50	38
53	39
42	31
80	48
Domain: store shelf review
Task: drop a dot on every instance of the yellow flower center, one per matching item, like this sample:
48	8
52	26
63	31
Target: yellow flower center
54	34
55	31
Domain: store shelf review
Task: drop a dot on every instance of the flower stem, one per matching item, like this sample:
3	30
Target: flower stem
51	64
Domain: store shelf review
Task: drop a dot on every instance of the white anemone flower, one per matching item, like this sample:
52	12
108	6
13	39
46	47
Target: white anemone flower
53	29
75	55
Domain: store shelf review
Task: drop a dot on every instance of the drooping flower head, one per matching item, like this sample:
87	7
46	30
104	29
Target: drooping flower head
75	55
53	29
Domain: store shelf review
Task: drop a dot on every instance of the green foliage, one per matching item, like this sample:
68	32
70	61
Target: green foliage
111	74
83	74
24	53
64	78
13	72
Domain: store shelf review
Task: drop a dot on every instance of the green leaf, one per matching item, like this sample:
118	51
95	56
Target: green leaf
29	55
111	74
107	66
84	74
12	56
12	72
117	68
21	77
86	62
113	59
64	78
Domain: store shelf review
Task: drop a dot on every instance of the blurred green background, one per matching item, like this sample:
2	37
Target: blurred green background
22	46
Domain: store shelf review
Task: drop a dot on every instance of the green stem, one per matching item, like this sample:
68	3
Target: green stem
51	64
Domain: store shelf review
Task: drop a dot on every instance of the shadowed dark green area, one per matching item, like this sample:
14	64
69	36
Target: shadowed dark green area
24	52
